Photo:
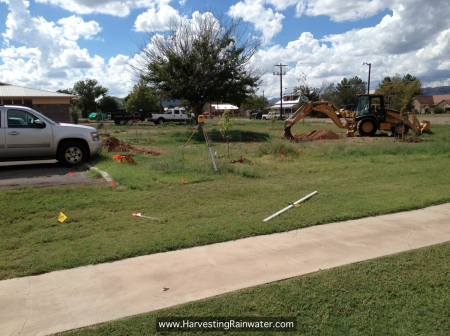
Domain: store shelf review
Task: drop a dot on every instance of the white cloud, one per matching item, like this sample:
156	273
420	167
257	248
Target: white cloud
153	20
415	39
73	27
111	7
51	58
13	52
264	19
341	10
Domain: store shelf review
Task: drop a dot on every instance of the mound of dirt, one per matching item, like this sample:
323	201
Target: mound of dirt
317	135
114	145
409	140
241	160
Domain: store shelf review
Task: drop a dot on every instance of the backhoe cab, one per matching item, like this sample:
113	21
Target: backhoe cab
369	117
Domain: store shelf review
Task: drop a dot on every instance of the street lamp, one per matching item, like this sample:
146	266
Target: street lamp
368	85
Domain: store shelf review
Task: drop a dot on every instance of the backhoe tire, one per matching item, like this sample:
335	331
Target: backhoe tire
367	127
399	128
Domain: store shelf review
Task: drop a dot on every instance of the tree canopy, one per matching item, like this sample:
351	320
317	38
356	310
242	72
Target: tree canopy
88	91
347	90
306	92
142	97
255	103
399	92
108	104
200	60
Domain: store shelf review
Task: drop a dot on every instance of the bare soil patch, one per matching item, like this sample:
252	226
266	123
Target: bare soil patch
114	145
317	135
409	140
241	160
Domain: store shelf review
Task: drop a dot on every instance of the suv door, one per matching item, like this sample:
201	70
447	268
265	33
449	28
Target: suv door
24	138
2	135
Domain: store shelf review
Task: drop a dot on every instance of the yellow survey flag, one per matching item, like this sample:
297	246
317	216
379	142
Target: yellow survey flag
62	217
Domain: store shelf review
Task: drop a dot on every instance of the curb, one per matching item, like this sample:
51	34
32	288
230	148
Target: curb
105	175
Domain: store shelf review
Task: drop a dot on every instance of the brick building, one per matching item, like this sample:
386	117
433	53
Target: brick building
54	105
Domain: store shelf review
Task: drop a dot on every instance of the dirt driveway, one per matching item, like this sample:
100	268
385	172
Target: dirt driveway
39	174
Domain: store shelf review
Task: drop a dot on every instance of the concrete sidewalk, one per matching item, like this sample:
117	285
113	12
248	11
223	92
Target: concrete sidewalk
64	300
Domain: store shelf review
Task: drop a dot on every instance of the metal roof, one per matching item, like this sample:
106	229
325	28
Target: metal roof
286	104
10	91
224	107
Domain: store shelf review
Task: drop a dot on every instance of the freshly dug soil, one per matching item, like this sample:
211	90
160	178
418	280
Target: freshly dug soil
114	145
242	160
410	140
316	135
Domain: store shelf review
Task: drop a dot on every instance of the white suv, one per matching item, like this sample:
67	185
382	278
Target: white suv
272	115
25	134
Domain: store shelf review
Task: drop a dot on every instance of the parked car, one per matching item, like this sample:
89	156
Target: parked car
273	115
175	115
256	115
25	134
207	115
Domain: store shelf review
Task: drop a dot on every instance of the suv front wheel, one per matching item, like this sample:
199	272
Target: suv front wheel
71	154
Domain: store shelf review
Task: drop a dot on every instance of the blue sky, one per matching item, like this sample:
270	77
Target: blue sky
50	44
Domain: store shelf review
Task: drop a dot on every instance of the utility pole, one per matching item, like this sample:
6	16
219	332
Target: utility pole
280	73
368	84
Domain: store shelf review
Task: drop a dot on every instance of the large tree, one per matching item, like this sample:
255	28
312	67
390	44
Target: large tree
88	91
203	59
142	97
347	90
306	92
254	103
108	104
399	92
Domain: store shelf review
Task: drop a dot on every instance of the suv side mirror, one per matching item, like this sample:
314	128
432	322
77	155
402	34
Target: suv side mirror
40	123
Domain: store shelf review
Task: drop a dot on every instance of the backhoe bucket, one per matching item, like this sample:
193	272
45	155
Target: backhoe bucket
287	133
425	127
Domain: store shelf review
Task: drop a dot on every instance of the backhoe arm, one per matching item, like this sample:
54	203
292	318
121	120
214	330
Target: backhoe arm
326	107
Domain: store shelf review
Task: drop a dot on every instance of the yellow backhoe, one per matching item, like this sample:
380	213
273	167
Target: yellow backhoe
369	117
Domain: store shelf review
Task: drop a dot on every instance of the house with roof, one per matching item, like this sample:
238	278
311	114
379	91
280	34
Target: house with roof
54	105
287	104
445	104
422	103
218	109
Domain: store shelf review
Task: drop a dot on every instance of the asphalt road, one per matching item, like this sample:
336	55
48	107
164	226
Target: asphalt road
39	174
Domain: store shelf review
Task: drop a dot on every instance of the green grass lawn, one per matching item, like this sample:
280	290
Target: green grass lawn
403	294
353	180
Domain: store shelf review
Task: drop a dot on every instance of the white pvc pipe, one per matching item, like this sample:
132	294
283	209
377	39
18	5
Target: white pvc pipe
290	206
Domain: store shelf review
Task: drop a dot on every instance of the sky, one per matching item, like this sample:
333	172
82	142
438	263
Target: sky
51	44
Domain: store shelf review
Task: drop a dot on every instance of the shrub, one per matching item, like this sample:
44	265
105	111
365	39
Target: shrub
439	110
74	115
